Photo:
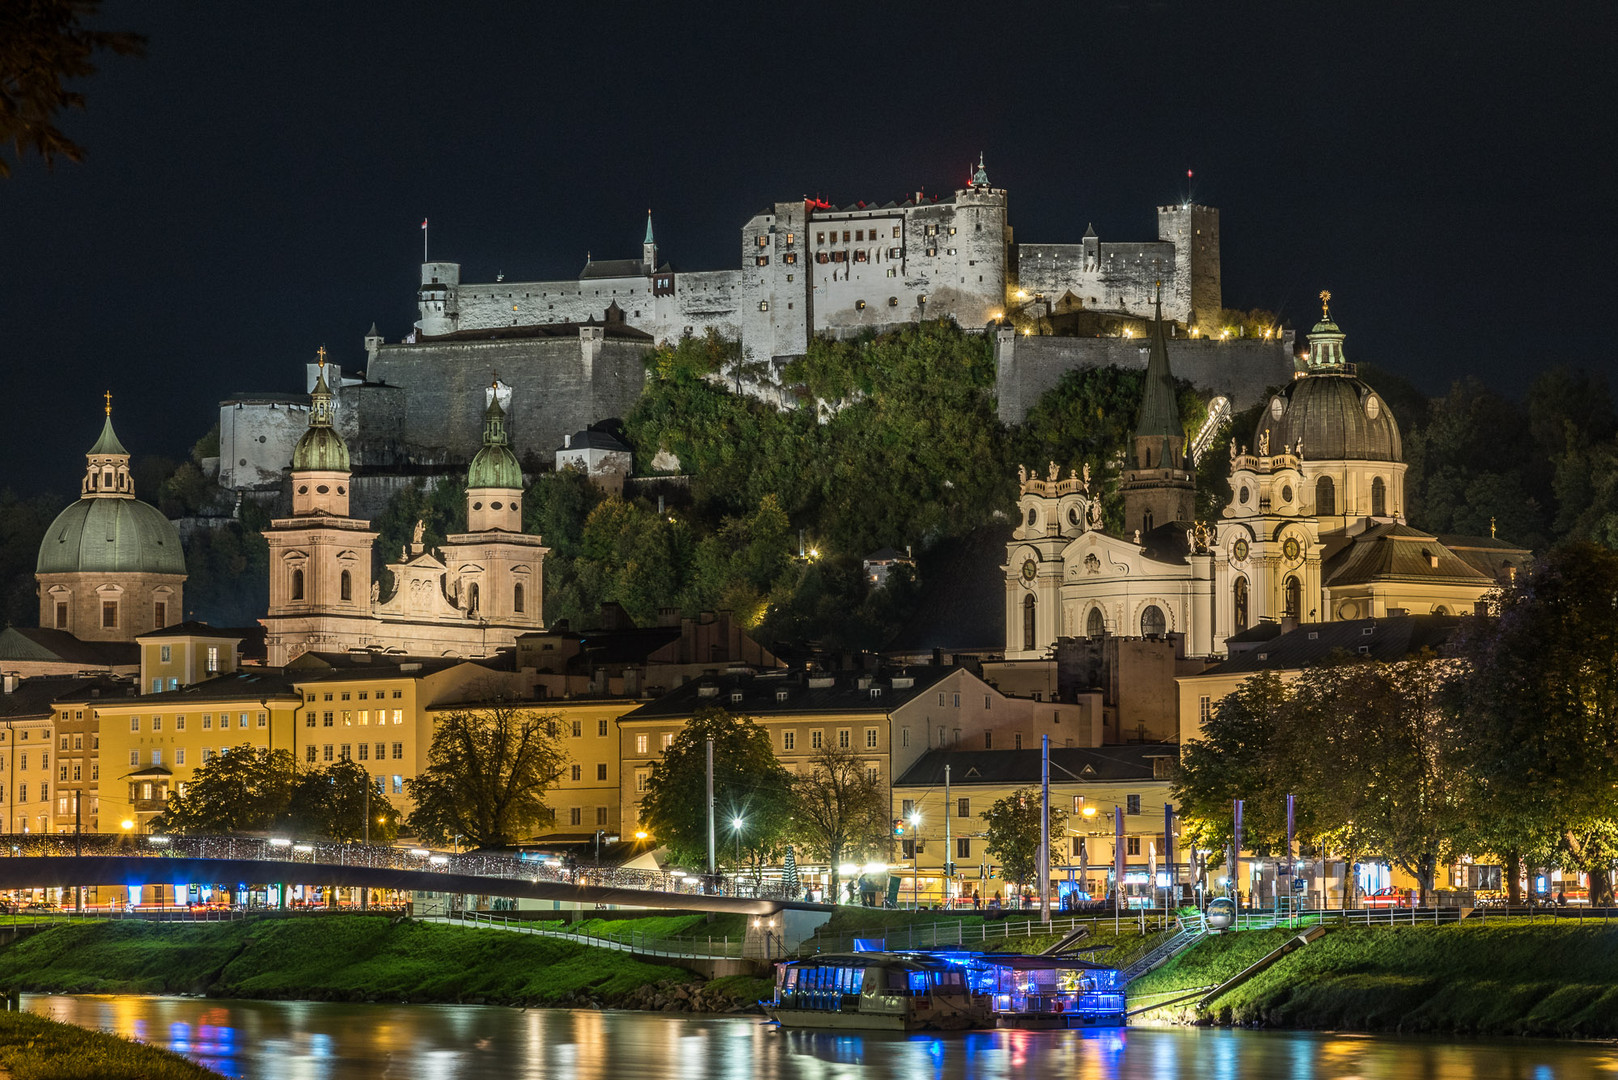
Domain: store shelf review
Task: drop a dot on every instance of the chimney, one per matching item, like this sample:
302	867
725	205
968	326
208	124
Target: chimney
1289	624
567	442
12	682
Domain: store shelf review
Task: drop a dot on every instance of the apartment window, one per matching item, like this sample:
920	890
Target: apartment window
78	740
872	773
573	816
870	738
109	614
601	815
346	695
641	778
207	755
213	659
957	701
577	727
908	847
987	701
1131	804
365	716
325	752
134	723
157	757
1016	741
907	808
398	784
95	770
348	716
365	751
666	740
963	808
1132	845
940	699
640	745
63	771
1078	846
398	751
157	723
601	770
398	714
381	751
328	718
789	740
327	696
365	695
577	774
263	720
398	693
179	759
816	740
346	753
843	738
310	719
601	729
166	652
78	769
1204	708
207	721
963	848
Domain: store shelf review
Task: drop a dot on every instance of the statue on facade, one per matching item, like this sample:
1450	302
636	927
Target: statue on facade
1022	474
1085	486
1297	451
1233	449
1054	473
1137	536
1092	514
376	592
1264	443
421	531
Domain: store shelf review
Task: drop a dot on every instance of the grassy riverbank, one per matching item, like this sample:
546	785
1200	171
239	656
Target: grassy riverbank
34	1048
1495	978
340	958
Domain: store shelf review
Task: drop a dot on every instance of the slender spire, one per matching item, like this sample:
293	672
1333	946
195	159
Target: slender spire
648	239
108	445
1160	406
980	178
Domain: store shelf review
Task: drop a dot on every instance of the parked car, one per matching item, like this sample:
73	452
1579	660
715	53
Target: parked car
1387	898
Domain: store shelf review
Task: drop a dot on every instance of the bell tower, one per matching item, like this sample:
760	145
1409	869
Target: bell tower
1159	487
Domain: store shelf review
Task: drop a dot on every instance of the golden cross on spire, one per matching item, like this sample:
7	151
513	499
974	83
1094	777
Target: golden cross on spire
108	396
1491	528
321	352
1325	305
495	385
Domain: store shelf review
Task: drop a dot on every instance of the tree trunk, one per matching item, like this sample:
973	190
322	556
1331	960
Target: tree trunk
1513	875
1601	887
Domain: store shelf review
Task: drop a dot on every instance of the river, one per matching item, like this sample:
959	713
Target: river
301	1040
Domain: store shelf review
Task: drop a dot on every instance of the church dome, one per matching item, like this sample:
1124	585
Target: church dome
320	449
1331	411
123	536
494	466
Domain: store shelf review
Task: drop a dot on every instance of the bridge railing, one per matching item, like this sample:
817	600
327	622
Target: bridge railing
328	853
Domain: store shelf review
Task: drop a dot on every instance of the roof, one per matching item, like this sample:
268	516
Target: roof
1101	764
759	693
256	684
591	439
1397	552
1330	413
111	535
1392	638
34	697
1168	543
886	554
320	666
108	443
1160	404
629	646
610	268
58	646
1266	630
616	330
191	628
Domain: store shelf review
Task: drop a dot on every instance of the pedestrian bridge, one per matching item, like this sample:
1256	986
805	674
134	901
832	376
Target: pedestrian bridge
32	862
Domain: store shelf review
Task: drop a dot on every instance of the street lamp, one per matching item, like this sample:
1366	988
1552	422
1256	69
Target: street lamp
915	859
736	827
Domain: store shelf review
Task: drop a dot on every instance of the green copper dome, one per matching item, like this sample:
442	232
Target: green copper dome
495	466
108	444
103	535
321	449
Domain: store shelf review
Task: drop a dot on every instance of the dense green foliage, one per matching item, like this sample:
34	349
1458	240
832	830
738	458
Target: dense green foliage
840	812
246	789
340	957
488	769
1012	831
34	1048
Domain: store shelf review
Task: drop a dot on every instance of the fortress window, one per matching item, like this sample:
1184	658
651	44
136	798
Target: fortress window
952	230
821	256
932	251
896	232
859	234
790	257
762	260
764	305
893	301
845	236
820	238
932	230
893	272
861	256
859	305
763	241
951	251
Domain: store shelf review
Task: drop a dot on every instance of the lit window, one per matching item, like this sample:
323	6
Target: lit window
789	740
640	744
167	652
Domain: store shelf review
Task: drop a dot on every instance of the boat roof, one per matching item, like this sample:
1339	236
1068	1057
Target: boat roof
1020	962
909	961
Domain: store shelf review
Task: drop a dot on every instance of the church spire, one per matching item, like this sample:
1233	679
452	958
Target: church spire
1160	405
1326	340
980	178
648	247
107	463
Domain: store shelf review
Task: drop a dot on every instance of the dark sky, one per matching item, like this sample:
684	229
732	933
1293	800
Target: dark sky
255	186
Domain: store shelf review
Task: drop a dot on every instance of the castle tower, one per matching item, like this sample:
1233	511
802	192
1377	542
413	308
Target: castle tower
1160	487
110	566
320	558
1194	231
648	248
440	284
497	568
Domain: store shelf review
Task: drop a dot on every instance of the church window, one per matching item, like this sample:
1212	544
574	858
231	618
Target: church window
1379	498
109	614
1286	493
1152	622
1292	599
61	616
517	598
1028	609
1096	624
494	506
1033	516
477	506
1325	497
1146	522
297	584
322	489
160	615
346	585
472	600
1241	496
1239	604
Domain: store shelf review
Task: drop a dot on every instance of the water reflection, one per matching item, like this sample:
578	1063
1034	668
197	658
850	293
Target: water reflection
265	1040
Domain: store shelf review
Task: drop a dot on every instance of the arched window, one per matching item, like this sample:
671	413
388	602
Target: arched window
1379	498
1325	497
346	586
1292	601
472	599
1152	623
1146	522
1028	605
516	598
1096	624
297	584
1239	604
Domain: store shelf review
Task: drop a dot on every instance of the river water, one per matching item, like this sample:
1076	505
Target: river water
299	1040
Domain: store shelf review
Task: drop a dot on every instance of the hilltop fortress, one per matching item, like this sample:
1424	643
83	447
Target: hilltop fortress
806	268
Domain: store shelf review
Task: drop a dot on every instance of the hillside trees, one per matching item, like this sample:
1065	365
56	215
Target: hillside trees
488	769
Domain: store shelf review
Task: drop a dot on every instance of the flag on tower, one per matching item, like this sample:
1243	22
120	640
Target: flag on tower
423	223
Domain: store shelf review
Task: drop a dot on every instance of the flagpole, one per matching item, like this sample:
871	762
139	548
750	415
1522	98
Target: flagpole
423	239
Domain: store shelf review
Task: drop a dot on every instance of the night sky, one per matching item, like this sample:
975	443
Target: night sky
255	185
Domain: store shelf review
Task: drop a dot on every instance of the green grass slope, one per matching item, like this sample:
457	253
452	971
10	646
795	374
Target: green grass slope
34	1048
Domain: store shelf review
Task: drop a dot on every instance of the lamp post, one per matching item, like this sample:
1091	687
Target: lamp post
915	859
127	825
736	828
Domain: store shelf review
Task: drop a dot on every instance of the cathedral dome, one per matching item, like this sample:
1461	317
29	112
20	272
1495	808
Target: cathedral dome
494	466
1335	415
320	449
101	535
1328	409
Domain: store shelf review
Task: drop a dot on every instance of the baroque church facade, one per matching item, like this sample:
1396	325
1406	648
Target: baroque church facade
1315	530
474	595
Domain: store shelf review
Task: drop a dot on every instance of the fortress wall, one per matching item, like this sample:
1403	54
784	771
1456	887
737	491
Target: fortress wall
1240	370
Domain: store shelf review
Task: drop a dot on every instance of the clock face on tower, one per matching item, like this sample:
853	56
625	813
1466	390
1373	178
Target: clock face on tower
1291	548
1239	552
1029	569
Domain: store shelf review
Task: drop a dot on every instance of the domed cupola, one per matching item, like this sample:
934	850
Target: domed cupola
320	463
494	480
1327	413
109	566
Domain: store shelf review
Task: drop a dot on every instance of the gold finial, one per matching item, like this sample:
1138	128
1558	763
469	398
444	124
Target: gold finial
495	385
1325	305
321	352
1491	528
108	396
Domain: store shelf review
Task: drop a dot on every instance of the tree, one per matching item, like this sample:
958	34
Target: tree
749	782
487	772
1541	706
43	45
840	812
332	802
1013	835
242	789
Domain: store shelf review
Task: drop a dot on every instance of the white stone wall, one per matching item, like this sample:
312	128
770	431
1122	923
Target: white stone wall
256	440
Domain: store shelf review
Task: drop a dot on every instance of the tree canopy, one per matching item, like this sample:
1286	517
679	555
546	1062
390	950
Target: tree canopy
841	813
1012	835
488	769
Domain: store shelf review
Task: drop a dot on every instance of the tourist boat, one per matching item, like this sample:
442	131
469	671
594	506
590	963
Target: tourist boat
877	991
1049	991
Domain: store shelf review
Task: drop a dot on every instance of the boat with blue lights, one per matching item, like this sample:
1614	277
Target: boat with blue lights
1048	991
877	991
